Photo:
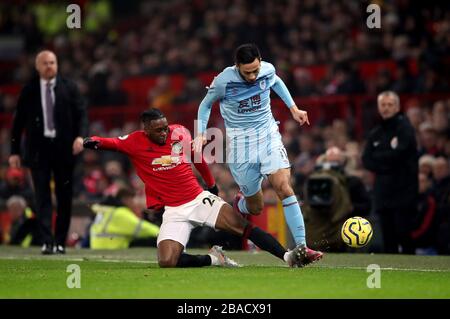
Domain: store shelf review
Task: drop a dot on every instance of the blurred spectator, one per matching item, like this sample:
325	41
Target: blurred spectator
383	81
428	139
22	227
16	183
440	117
116	178
441	189
114	94
162	95
116	224
94	185
303	83
192	91
391	153
426	163
404	81
415	117
425	223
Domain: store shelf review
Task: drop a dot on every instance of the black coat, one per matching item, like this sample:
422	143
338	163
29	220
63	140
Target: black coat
395	164
70	119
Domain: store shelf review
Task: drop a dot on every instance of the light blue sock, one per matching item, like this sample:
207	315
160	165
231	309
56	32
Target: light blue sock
294	219
243	206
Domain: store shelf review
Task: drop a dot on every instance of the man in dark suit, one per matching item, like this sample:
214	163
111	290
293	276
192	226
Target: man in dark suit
391	153
53	115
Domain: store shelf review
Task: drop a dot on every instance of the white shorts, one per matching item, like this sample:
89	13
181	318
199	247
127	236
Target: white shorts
179	221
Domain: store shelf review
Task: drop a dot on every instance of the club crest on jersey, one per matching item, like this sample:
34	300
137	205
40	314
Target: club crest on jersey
177	148
262	84
166	160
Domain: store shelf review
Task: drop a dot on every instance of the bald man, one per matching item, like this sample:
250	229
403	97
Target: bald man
52	113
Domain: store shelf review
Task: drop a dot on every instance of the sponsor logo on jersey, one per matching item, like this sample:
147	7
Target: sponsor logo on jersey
166	160
123	137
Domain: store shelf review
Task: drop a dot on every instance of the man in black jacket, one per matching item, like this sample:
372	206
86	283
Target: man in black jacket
53	115
391	153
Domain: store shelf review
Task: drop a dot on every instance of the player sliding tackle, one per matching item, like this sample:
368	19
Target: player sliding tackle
255	149
161	155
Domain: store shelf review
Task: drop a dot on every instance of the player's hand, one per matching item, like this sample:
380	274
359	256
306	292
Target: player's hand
214	190
199	141
299	115
90	143
77	146
14	161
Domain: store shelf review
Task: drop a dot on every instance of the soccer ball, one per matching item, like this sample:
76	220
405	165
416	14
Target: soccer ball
356	232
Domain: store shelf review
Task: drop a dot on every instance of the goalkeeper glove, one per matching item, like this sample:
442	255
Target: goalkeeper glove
90	143
214	190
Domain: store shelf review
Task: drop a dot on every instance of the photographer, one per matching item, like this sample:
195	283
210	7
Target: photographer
332	196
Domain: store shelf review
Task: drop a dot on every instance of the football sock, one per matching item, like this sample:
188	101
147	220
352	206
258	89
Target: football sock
264	241
186	260
243	206
294	219
214	260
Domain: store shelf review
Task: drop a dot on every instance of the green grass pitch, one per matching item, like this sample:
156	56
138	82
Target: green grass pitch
134	273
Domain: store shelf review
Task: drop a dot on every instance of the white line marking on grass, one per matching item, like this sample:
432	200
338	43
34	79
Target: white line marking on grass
385	268
82	259
249	265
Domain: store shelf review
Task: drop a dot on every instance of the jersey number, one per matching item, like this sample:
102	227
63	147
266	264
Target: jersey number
210	201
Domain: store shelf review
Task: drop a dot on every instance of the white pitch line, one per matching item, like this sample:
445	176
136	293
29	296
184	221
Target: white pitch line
384	268
257	265
81	259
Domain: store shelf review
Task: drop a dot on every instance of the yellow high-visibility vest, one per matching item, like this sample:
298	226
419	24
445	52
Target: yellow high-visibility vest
115	227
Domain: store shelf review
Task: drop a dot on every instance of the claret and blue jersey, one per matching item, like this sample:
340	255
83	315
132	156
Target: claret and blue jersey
243	105
254	146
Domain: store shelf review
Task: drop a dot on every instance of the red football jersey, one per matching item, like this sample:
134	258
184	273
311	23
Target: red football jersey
165	169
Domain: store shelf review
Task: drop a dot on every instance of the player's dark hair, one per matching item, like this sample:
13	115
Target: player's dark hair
151	114
246	53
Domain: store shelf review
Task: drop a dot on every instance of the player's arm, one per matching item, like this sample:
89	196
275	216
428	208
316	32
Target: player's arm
282	91
215	92
102	143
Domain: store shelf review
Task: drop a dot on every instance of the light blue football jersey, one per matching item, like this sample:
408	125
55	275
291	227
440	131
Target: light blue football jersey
243	105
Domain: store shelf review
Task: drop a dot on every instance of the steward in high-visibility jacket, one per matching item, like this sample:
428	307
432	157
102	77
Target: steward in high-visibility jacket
116	225
23	227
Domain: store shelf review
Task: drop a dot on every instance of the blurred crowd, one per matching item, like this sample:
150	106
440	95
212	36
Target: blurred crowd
149	39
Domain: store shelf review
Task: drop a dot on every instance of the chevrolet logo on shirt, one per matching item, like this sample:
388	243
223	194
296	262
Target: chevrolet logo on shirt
166	160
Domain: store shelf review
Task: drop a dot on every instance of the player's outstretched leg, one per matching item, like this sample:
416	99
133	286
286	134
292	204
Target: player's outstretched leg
249	205
280	180
170	254
231	222
219	258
